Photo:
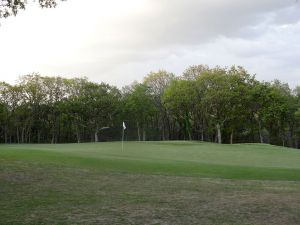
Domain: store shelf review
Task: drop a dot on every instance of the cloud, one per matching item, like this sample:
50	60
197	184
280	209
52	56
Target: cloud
118	41
193	22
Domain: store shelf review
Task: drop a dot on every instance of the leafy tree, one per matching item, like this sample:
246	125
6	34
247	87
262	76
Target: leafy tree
179	98
100	103
280	112
139	105
157	82
4	110
215	89
12	7
240	85
212	104
193	72
223	96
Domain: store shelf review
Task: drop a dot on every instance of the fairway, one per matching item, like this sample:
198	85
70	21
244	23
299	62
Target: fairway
149	183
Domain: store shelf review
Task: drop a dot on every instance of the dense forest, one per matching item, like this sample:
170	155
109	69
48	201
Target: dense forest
223	105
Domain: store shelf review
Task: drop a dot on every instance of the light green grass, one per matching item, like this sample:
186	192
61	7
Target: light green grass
248	161
149	183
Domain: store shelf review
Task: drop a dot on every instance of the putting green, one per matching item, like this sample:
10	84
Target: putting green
243	161
149	183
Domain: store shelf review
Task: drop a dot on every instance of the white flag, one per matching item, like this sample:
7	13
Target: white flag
124	127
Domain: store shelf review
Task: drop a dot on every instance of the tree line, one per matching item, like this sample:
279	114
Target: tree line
222	105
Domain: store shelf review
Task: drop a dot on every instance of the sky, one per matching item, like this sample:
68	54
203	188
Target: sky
119	41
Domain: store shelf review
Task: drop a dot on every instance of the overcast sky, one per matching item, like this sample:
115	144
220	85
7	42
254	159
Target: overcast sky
119	41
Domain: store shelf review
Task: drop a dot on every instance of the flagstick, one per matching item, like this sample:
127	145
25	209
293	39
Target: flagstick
123	140
124	128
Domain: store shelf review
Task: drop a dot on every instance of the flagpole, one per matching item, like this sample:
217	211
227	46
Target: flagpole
124	127
123	140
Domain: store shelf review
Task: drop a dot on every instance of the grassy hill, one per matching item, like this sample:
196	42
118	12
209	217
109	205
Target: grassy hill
149	183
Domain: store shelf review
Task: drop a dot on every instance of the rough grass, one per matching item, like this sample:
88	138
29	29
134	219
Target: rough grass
149	183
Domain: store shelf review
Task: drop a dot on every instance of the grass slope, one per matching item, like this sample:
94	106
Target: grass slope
168	158
149	183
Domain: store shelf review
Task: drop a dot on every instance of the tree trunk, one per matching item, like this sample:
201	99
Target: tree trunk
190	136
39	136
96	136
5	135
202	129
53	138
77	135
144	134
231	137
22	135
188	127
29	137
138	131
53	133
18	138
219	134
283	140
166	124
260	134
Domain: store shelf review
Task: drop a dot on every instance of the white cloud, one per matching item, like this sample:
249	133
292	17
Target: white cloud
118	41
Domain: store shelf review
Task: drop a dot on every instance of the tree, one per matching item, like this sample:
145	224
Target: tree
193	72
224	98
11	96
34	98
157	82
100	102
12	7
223	105
5	111
280	112
139	105
180	99
215	89
240	85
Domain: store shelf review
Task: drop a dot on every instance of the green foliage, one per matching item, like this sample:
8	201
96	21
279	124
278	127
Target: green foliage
179	98
139	103
224	105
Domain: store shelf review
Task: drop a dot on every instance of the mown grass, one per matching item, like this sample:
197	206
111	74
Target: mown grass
149	183
169	158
